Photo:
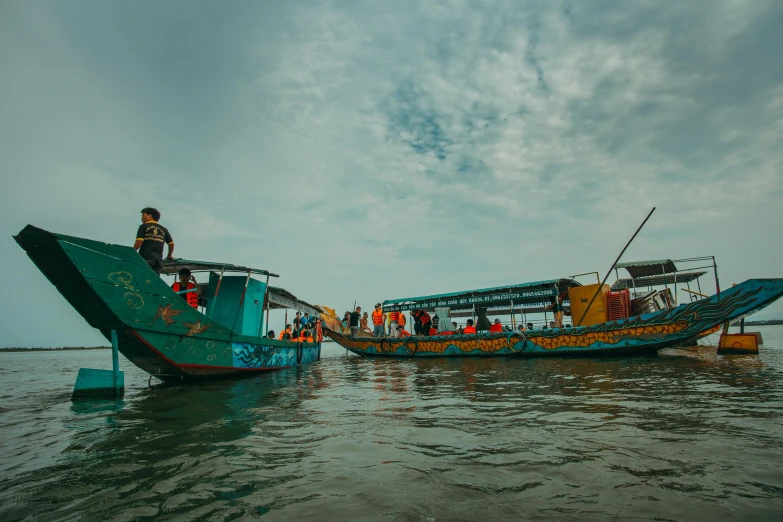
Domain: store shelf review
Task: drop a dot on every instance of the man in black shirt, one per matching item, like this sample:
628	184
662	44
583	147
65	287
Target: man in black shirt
150	238
354	321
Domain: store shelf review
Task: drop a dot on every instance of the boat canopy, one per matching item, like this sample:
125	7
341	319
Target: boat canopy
648	268
173	266
280	298
656	280
523	293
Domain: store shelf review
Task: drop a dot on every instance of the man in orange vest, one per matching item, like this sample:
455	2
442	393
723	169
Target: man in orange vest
378	319
496	327
285	335
469	328
394	322
187	287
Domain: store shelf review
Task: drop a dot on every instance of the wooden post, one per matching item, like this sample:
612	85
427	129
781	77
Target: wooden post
115	362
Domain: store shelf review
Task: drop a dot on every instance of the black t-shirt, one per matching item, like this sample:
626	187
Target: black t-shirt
153	236
557	307
354	319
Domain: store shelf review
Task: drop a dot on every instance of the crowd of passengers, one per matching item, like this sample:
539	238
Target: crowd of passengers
393	323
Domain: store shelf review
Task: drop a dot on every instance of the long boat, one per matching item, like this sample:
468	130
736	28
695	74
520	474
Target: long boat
635	334
114	289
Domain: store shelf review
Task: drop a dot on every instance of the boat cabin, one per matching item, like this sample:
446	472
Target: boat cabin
517	301
232	297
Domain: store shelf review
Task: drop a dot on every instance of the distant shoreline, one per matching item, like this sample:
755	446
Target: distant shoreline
55	349
771	322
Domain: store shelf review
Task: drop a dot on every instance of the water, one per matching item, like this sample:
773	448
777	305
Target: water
685	435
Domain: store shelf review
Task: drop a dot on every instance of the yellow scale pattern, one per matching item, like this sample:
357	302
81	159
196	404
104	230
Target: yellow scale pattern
583	340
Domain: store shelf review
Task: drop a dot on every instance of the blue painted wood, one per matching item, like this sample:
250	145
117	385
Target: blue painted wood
92	382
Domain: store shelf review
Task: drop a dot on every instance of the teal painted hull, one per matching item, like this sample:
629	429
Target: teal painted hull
113	288
642	334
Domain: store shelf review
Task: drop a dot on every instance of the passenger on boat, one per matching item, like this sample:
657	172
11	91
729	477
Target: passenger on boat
529	326
496	327
394	322
270	334
402	322
354	321
187	283
557	309
306	321
469	328
378	320
552	325
287	334
150	238
363	323
422	321
433	331
297	321
403	332
521	328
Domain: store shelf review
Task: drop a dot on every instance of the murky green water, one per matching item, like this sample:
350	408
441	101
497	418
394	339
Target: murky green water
679	436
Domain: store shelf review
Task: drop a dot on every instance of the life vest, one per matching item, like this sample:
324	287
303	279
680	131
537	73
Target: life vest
394	317
310	339
469	330
401	320
424	317
283	334
190	297
433	331
495	328
377	317
404	333
319	334
446	333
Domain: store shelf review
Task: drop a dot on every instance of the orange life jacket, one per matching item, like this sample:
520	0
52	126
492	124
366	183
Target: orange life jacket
433	331
191	297
377	317
424	317
394	316
401	320
469	330
310	340
319	334
446	333
282	334
495	328
404	333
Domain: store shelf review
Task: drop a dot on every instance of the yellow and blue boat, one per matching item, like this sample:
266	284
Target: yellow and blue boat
595	335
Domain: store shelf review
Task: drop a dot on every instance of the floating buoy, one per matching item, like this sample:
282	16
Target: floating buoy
738	343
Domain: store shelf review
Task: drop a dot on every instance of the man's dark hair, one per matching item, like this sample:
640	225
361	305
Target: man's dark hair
271	334
152	212
184	272
470	322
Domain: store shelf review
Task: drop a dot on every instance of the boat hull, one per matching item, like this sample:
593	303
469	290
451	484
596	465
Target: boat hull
113	288
637	335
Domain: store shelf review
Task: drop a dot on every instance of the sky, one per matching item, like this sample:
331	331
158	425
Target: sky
376	150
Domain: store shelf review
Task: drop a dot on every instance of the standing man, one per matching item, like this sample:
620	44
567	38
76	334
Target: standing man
557	310
378	320
150	238
394	323
354	321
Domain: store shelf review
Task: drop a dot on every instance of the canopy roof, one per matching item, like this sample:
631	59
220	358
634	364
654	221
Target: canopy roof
648	268
534	292
281	298
173	266
656	280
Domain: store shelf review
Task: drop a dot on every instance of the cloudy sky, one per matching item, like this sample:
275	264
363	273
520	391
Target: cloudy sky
374	150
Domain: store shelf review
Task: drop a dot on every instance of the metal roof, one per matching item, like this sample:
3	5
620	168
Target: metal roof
173	266
648	268
656	280
281	298
536	291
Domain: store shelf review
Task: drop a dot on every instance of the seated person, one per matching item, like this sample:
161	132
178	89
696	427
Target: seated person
403	332
270	334
552	325
521	328
469	328
496	327
187	282
568	326
286	335
529	326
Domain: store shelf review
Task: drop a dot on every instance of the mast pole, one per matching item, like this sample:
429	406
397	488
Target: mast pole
598	290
